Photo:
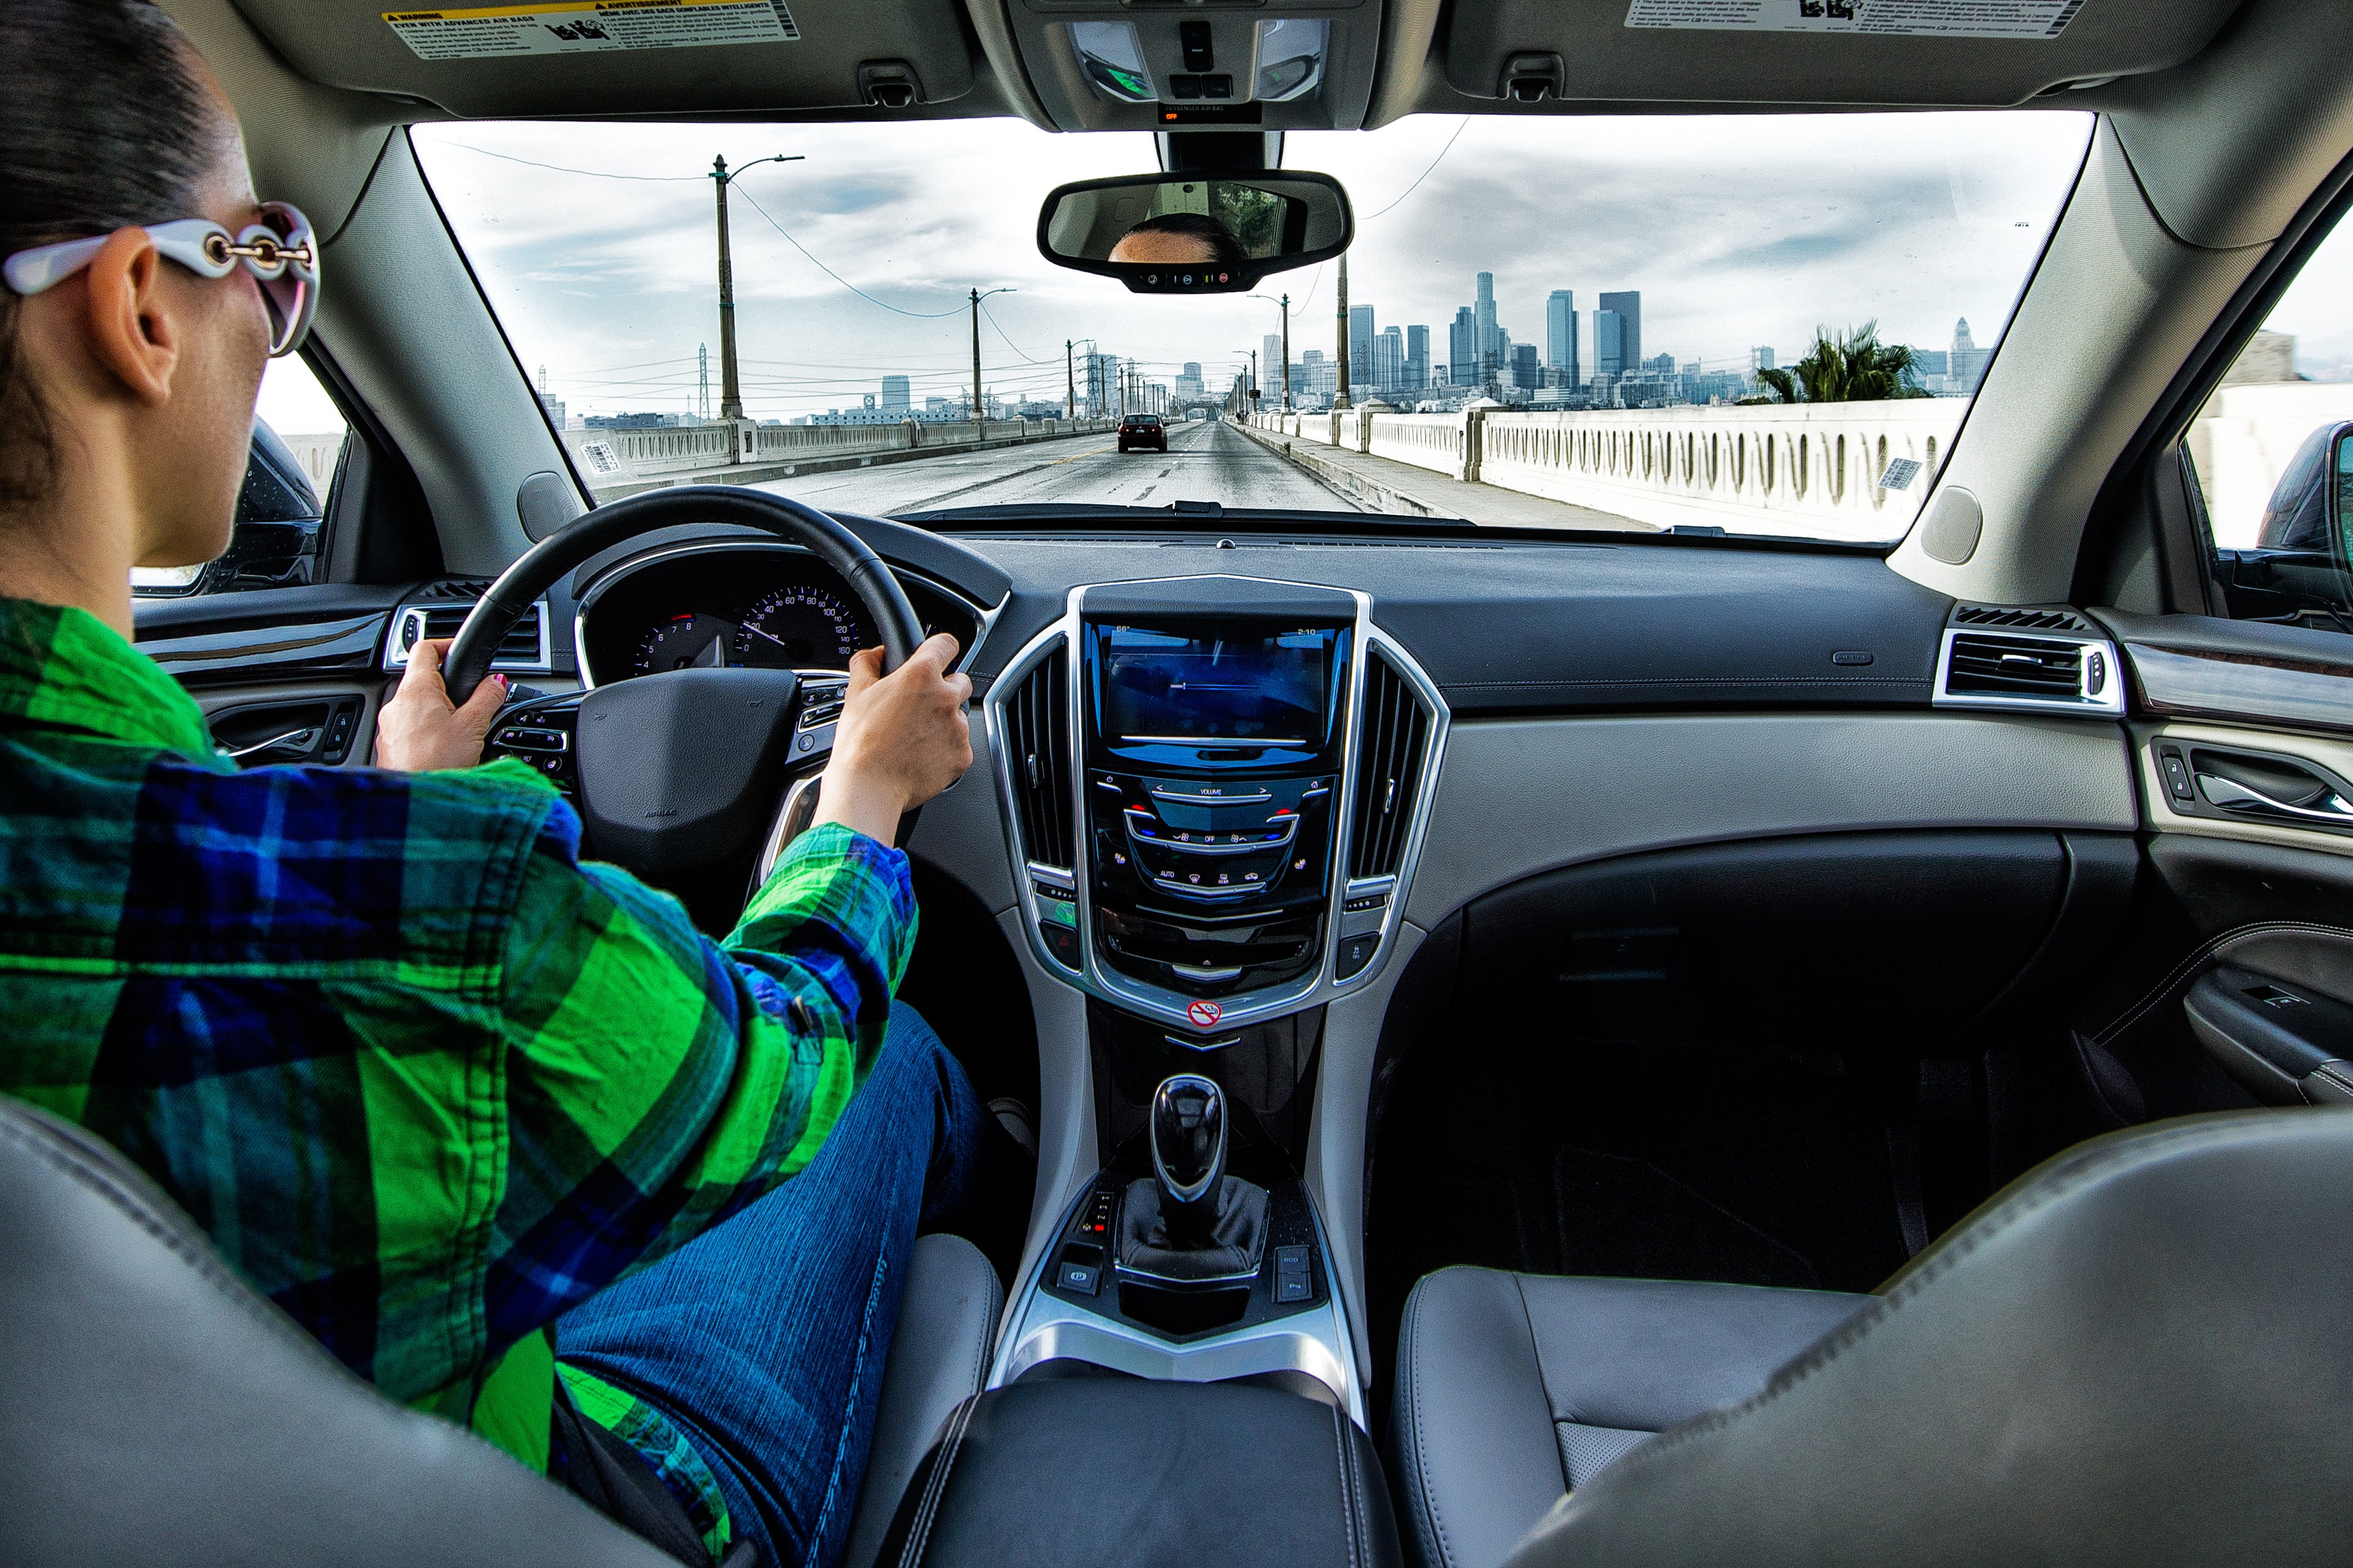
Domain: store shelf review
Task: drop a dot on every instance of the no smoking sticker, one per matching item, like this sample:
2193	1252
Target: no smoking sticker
590	27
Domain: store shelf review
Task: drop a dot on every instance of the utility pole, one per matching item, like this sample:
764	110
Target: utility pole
731	395
1070	384
1340	389
1286	354
980	409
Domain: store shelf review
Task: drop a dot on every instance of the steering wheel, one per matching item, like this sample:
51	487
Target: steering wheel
675	774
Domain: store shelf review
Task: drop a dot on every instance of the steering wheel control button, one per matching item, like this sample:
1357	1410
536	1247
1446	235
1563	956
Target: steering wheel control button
808	743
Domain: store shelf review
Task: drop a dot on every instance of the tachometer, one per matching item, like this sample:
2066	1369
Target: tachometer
683	642
801	627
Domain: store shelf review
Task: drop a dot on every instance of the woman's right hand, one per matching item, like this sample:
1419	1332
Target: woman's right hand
902	739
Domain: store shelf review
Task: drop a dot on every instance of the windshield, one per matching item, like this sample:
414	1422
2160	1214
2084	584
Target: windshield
1768	325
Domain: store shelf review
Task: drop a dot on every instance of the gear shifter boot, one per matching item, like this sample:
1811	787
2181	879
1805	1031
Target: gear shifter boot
1235	1244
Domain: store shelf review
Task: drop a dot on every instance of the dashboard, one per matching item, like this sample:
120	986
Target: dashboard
742	604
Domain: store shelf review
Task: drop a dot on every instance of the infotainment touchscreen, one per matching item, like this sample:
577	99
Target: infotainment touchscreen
1252	690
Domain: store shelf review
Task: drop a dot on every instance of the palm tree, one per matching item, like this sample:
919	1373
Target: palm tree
1852	367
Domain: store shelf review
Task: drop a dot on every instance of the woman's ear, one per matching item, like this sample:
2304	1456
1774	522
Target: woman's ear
127	320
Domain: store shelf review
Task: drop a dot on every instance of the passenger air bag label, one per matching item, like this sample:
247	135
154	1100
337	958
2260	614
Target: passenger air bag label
1911	18
590	27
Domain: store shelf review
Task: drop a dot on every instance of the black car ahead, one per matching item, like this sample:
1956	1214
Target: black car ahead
1142	430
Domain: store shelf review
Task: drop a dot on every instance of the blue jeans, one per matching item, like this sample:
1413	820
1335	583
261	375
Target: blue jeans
763	1338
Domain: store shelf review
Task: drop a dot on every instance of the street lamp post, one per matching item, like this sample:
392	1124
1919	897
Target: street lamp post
980	409
1070	384
1285	303
730	395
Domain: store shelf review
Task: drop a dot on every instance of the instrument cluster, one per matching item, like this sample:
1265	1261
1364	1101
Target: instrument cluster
741	606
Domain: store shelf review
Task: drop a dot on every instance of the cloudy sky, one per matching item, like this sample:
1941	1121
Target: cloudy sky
596	242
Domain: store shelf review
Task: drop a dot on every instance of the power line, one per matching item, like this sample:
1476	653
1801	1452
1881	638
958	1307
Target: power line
837	277
1425	173
589	174
1000	332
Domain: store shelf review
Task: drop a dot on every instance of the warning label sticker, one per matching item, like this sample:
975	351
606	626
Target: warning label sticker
1915	18
583	27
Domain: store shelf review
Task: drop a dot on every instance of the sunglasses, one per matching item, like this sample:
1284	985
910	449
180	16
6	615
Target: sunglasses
279	251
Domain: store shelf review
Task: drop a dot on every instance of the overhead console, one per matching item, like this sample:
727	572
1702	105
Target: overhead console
1216	787
1300	65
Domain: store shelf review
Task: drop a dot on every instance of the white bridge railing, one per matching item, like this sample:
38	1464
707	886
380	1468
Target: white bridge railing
622	457
1809	469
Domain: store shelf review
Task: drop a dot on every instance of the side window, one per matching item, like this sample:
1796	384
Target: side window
282	509
2272	451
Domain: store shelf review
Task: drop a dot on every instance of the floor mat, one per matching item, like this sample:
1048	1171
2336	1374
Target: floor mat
1626	1218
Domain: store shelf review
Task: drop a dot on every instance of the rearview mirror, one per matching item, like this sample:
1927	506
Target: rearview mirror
1167	234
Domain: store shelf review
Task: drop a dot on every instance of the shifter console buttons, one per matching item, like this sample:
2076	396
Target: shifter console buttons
1082	1278
1293	1283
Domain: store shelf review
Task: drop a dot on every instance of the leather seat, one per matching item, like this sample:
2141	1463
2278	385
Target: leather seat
2141	1352
155	1410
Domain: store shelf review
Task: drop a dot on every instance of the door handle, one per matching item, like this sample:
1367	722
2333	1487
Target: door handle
304	738
2233	795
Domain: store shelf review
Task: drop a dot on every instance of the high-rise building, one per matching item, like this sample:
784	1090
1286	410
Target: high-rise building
1417	358
1316	375
1462	349
897	399
1628	306
1388	360
1490	348
1560	338
1270	363
1526	373
1360	346
1965	363
1760	358
1609	356
1190	387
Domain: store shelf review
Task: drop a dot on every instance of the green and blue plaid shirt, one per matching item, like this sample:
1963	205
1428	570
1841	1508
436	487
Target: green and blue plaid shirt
427	1079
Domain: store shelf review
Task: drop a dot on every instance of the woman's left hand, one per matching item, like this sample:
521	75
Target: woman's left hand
420	729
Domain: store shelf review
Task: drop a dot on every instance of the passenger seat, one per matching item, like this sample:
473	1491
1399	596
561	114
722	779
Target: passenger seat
2141	1352
155	1410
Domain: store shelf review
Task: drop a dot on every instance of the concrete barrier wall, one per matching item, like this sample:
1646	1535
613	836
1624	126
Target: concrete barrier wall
624	460
1805	469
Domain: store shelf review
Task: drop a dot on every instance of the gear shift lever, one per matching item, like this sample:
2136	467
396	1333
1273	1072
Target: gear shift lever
1189	1155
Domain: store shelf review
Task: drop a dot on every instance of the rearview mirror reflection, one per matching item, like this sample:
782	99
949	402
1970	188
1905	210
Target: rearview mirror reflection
1206	234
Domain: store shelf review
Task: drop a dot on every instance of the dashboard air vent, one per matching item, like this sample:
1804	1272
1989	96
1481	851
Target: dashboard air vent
2018	618
1984	665
525	646
1038	752
1388	770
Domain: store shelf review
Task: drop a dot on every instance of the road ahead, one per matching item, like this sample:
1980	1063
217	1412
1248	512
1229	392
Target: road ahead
1206	461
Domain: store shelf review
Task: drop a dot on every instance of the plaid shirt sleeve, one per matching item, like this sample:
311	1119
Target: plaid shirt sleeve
656	1081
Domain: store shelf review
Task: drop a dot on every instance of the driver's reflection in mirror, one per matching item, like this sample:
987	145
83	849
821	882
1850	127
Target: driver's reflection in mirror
1177	237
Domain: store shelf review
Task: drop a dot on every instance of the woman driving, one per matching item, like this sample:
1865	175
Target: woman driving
497	1126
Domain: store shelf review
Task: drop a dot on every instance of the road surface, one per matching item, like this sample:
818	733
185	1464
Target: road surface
1206	461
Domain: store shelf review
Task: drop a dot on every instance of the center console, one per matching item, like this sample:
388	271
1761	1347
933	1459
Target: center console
1216	788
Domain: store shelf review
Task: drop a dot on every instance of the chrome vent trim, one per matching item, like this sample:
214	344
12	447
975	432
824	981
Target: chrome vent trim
1388	769
524	648
2033	672
1038	759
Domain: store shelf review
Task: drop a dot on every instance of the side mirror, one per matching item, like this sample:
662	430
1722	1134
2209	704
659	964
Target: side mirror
1168	234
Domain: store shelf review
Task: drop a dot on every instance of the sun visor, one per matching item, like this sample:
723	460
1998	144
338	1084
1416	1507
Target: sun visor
705	58
1696	54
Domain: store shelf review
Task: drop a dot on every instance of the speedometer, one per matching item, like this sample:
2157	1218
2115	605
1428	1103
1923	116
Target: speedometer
801	627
